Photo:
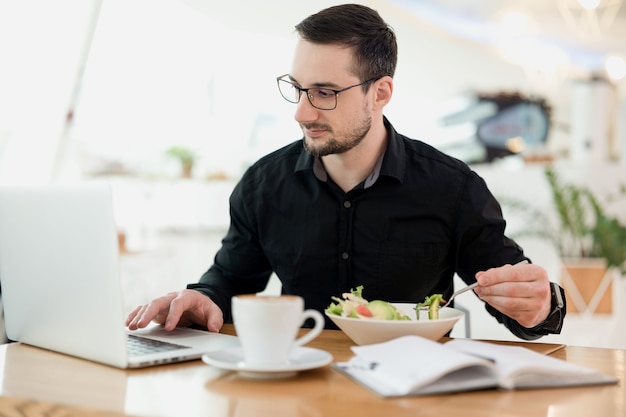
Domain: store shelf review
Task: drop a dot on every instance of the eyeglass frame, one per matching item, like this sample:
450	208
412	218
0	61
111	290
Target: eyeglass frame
308	96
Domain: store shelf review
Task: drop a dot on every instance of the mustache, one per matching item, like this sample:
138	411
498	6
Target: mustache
315	126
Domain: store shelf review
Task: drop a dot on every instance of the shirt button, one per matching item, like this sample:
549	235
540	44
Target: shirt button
345	255
347	204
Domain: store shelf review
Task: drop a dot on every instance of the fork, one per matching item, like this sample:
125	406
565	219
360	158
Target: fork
465	289
461	291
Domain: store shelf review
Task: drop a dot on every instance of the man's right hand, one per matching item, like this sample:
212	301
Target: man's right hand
181	308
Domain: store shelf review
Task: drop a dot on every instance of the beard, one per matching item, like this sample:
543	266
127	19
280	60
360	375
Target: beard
337	144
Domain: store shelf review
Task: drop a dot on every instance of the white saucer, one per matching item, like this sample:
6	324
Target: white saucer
301	359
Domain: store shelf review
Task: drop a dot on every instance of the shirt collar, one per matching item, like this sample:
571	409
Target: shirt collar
391	163
394	162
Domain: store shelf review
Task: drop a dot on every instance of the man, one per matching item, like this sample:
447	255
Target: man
360	204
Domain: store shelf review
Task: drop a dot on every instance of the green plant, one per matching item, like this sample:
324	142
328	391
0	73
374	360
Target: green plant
183	154
186	156
583	228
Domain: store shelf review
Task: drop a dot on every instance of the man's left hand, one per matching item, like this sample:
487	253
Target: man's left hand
521	292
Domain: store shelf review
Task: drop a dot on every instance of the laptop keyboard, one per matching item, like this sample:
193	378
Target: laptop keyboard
138	345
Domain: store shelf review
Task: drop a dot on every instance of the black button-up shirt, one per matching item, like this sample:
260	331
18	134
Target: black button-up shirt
403	233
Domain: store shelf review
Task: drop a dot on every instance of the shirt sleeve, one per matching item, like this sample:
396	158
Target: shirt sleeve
240	266
516	328
482	244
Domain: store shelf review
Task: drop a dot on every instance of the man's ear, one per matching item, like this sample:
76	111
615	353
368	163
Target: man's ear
383	91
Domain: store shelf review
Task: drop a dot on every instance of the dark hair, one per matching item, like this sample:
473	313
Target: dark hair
361	28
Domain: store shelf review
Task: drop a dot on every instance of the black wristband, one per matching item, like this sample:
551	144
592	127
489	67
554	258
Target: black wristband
554	322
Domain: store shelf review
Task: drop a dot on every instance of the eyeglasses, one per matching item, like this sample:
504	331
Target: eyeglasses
320	98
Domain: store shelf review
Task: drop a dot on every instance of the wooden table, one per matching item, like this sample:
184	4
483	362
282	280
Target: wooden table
36	382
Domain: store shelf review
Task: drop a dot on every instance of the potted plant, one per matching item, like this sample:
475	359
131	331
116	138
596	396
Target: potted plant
185	156
591	243
586	230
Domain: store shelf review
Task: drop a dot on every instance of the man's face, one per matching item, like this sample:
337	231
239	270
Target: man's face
330	131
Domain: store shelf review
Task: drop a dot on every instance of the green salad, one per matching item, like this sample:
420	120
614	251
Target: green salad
353	305
432	302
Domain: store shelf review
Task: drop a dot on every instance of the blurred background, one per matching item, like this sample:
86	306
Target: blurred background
171	100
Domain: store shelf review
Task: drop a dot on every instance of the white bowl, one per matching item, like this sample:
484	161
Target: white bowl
365	331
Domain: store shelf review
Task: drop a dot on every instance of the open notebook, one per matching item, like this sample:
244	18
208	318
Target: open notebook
413	365
60	280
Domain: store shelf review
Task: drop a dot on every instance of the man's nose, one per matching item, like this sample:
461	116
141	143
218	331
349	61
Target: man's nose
305	112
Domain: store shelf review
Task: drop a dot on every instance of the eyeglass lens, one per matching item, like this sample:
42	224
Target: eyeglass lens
321	98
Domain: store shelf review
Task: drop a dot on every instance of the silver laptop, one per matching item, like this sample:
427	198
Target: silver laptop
60	281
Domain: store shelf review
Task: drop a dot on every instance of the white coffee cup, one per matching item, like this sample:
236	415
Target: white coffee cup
267	327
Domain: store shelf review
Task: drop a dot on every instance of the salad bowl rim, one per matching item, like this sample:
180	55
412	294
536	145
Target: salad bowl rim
457	314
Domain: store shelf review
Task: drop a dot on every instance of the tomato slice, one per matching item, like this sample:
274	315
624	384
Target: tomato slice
362	310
